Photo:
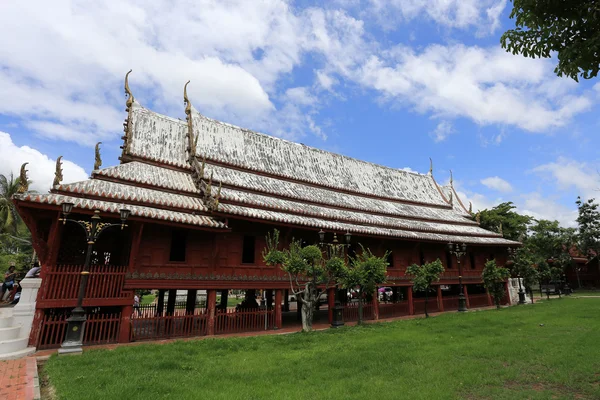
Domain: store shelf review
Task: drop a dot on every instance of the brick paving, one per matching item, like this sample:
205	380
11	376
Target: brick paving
17	379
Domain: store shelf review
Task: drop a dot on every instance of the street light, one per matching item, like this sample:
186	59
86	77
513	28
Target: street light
76	322
337	319
512	252
459	251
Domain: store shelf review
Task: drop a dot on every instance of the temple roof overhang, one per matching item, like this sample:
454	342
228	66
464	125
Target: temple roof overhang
170	170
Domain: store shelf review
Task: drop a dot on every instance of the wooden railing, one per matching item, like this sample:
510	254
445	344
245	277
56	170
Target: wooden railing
105	282
478	300
232	321
151	310
391	310
351	311
99	329
450	303
151	327
419	305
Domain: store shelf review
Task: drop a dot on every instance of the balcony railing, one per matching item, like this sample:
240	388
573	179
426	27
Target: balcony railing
105	282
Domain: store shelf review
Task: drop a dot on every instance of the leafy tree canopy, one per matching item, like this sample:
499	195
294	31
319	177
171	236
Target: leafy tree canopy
424	275
588	234
493	280
514	225
571	28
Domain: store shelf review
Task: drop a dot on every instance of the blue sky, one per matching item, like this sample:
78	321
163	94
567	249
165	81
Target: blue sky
391	82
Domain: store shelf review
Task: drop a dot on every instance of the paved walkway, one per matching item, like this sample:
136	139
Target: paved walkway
18	379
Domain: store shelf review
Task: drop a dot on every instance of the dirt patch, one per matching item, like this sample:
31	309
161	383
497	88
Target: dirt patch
47	391
556	391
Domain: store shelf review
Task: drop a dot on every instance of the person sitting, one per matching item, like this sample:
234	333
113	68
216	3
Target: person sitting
17	294
34	272
9	281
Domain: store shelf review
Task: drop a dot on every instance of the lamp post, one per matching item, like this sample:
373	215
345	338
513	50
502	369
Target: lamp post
338	311
76	322
459	251
512	252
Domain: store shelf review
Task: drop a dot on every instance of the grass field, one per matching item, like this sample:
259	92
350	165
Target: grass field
495	354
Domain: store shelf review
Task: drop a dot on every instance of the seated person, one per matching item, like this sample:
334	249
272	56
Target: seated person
9	281
17	294
34	272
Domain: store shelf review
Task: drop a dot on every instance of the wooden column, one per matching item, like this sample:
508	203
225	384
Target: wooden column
36	326
125	328
376	305
224	298
440	298
286	300
466	292
136	239
211	303
160	302
411	306
278	299
171	301
330	303
269	298
190	301
395	294
490	301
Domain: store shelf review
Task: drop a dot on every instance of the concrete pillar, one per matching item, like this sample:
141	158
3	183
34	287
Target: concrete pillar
440	298
278	299
211	304
411	306
24	313
507	292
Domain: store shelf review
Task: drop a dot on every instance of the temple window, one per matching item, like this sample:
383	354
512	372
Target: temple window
178	245
249	250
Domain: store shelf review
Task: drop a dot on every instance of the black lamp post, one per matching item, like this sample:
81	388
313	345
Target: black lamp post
76	322
338	310
459	251
512	252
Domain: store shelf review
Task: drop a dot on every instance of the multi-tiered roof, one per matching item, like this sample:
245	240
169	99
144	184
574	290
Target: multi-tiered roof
201	171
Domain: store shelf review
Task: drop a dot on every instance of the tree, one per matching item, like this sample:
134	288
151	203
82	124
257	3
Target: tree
588	235
494	279
9	218
423	276
365	272
514	225
523	266
569	28
309	272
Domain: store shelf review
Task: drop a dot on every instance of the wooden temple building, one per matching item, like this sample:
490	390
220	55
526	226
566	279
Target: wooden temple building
202	196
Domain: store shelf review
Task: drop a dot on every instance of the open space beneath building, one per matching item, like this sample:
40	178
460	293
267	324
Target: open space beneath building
541	351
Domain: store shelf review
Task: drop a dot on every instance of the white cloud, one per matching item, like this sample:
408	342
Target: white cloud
570	174
482	14
543	207
301	96
497	183
488	86
442	131
41	168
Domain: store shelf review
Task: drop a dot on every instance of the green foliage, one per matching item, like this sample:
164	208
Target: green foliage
366	271
494	279
523	267
9	218
588	235
571	28
514	225
424	276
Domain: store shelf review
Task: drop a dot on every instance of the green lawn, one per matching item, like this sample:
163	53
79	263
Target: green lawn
503	354
586	292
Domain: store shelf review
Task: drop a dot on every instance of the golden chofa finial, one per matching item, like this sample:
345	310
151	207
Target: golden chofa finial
97	159
23	180
58	176
478	218
128	93
451	180
186	100
430	166
470	208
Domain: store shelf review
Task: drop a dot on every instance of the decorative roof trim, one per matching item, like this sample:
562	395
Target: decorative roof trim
128	124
